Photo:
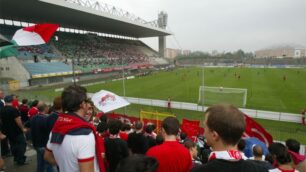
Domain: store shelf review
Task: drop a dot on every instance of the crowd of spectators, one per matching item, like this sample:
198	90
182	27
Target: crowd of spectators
72	135
92	50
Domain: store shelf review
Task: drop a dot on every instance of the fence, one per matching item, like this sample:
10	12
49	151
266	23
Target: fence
276	116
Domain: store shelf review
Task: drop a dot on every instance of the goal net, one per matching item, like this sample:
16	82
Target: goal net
215	95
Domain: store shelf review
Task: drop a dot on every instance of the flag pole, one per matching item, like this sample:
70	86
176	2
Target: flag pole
123	82
202	92
73	71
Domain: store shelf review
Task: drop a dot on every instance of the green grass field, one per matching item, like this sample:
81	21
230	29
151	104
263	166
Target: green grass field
266	88
266	91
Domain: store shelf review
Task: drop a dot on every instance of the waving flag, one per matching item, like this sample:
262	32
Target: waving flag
253	129
107	101
191	128
34	35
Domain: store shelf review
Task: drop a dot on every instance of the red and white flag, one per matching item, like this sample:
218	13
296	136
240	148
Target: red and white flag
253	129
107	101
34	35
191	128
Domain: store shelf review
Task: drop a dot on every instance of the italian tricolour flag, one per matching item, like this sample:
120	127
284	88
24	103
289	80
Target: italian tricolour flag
32	35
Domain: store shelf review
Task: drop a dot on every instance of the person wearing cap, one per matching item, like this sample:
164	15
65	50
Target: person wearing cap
14	130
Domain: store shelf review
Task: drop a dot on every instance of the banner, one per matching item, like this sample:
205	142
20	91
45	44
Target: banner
191	128
253	129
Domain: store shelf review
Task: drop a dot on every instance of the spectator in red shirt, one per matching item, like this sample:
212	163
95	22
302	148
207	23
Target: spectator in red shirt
123	134
171	155
33	111
24	109
15	102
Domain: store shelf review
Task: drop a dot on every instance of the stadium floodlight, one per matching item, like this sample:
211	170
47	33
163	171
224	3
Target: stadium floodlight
214	95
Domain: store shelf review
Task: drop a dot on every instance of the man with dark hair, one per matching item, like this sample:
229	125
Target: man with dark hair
293	145
72	142
298	159
171	155
14	130
137	142
281	155
115	148
223	128
40	137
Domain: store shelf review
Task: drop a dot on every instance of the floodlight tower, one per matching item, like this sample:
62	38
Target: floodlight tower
162	23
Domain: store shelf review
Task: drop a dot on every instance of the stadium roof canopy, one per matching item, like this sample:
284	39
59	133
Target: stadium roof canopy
75	16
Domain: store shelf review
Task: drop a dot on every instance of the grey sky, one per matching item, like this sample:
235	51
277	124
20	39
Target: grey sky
225	25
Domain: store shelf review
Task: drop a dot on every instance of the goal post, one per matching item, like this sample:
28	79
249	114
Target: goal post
215	95
154	117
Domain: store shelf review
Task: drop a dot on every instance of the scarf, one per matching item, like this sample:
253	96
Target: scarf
226	155
297	158
67	123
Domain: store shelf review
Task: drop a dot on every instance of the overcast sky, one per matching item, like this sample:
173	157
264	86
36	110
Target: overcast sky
225	25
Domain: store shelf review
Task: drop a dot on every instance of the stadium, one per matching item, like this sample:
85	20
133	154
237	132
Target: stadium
102	49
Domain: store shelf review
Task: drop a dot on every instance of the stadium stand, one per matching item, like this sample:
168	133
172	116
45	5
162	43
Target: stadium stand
46	68
90	52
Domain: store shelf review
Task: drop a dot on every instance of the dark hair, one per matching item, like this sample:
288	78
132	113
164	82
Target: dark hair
72	97
183	136
57	103
125	127
171	126
138	125
257	151
34	103
42	107
103	117
280	152
293	145
269	158
189	144
159	140
138	163
24	101
149	128
241	145
102	127
227	121
114	126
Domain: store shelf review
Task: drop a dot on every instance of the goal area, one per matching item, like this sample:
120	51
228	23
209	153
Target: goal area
216	95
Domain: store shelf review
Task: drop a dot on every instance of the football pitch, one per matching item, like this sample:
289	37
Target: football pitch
267	90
